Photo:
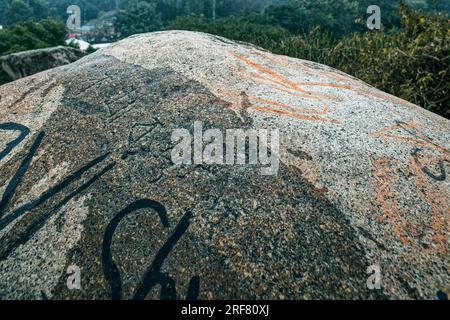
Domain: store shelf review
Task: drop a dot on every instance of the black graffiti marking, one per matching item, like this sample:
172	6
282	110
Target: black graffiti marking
193	289
110	270
441	177
24	132
11	188
44	196
6	249
44	296
152	276
37	225
414	132
416	151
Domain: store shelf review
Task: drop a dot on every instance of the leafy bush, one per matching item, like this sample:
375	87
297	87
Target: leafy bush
413	64
138	17
31	35
252	29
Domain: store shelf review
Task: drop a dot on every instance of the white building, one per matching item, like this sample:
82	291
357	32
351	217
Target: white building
81	43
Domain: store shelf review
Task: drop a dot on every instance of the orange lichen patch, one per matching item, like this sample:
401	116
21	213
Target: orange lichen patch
386	178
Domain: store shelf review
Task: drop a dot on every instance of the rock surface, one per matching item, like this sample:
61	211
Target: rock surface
26	63
87	180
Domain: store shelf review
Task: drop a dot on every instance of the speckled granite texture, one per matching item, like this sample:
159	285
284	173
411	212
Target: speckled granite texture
86	179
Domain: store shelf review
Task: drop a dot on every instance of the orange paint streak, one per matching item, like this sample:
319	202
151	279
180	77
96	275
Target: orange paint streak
275	75
310	96
281	83
427	189
432	195
332	75
283	60
338	77
322	84
385	179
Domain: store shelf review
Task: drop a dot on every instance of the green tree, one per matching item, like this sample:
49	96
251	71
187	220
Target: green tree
302	16
31	35
17	11
252	29
13	11
140	16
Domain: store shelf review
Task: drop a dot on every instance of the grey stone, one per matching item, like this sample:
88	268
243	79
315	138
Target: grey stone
26	63
87	180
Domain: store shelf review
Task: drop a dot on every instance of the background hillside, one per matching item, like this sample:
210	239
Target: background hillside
408	57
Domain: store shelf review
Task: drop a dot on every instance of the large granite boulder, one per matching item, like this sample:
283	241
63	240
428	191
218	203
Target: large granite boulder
22	64
94	204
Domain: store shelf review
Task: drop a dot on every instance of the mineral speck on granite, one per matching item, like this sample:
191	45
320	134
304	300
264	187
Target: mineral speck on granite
87	180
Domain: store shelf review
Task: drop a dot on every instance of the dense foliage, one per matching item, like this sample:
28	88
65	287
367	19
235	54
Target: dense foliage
138	17
14	11
413	64
31	35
